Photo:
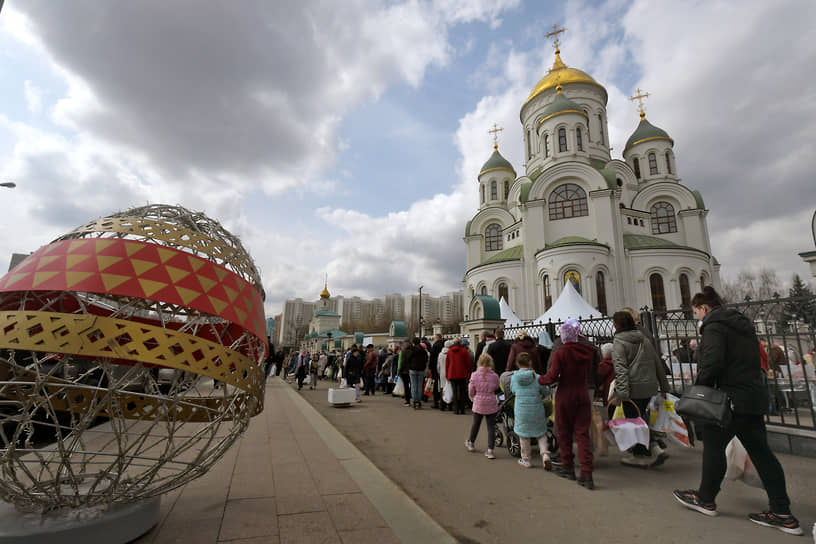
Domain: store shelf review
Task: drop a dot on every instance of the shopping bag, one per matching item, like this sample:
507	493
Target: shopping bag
307	380
343	383
739	465
599	443
626	432
399	389
429	386
447	393
668	422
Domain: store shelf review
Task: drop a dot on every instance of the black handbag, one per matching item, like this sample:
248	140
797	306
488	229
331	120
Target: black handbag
705	404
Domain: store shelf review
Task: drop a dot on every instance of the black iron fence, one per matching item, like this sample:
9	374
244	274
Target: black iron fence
787	335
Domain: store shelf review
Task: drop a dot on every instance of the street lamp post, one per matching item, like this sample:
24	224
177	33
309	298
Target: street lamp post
420	310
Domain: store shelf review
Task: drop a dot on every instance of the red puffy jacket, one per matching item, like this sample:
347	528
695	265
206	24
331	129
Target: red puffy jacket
458	363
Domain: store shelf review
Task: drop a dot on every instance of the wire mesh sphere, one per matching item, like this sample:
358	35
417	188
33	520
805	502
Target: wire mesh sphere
130	359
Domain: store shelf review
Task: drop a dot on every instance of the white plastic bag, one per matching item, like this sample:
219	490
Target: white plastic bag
665	420
447	393
740	466
307	380
399	389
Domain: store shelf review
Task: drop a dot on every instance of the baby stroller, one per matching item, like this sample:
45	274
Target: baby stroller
505	422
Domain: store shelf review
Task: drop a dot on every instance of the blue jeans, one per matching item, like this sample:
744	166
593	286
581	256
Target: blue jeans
417	389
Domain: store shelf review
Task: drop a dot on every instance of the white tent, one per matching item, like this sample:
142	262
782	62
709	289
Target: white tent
569	304
510	318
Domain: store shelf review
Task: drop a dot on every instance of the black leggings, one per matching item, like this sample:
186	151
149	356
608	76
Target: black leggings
460	395
491	428
750	429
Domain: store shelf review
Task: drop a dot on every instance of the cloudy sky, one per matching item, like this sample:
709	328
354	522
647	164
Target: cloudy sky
345	137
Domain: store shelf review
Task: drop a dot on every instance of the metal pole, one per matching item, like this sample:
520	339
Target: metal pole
420	310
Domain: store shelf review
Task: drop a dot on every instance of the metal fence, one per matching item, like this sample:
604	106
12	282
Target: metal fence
787	338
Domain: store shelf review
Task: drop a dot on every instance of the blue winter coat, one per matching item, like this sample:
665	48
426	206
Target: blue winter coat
531	420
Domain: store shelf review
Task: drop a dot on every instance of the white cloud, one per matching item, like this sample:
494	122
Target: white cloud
33	96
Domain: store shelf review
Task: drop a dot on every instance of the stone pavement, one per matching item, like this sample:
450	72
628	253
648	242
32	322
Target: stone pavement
292	478
496	501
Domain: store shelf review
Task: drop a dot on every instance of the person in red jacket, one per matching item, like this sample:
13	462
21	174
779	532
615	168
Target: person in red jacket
458	364
570	367
524	344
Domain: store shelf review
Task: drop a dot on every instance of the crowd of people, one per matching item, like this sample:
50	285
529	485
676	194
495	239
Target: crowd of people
570	374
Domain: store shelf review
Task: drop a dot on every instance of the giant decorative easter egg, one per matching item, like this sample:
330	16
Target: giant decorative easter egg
130	359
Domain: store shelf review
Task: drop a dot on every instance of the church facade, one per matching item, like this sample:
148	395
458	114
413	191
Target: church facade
625	231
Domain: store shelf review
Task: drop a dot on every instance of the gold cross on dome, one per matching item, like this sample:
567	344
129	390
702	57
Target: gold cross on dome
555	32
639	97
495	131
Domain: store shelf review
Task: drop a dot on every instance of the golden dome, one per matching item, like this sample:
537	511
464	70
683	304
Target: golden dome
325	292
561	74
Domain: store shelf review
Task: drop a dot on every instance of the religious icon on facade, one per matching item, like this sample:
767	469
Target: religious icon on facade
574	278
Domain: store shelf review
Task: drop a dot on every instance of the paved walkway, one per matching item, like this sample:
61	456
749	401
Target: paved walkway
482	501
292	478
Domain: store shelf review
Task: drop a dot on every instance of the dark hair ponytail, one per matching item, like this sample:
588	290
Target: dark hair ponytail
708	297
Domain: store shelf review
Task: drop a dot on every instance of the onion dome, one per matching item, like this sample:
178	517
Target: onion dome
325	292
497	162
561	74
645	132
559	106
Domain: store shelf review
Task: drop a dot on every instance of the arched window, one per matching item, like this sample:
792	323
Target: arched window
637	169
493	239
494	193
567	201
529	144
562	140
546	146
589	138
600	128
506	189
600	288
685	292
483	291
652	164
547	295
668	162
578	141
483	194
503	291
663	219
658	294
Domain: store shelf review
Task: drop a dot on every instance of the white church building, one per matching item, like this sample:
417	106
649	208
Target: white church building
625	232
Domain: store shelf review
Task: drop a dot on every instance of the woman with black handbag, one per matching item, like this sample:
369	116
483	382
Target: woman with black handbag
728	359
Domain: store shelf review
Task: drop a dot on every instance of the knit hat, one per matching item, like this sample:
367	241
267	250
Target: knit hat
570	330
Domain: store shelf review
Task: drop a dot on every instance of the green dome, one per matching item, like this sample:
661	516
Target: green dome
646	131
496	162
559	106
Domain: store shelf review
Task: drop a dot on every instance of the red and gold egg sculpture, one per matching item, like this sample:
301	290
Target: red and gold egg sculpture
131	357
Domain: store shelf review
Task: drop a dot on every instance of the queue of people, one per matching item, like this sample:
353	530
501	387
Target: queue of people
572	372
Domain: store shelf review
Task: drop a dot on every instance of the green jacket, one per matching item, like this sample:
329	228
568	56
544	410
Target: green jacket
639	372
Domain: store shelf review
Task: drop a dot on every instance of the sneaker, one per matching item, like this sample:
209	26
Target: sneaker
786	524
555	460
690	499
660	454
547	462
489	454
406	404
469	445
567	473
586	482
525	464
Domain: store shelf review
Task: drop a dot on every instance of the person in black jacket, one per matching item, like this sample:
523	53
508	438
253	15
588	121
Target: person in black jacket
728	359
436	349
416	358
354	370
500	351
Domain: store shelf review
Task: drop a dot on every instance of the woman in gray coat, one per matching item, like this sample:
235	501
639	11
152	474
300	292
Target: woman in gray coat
639	376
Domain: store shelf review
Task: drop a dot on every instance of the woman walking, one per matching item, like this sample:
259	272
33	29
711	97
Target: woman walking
639	375
728	359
